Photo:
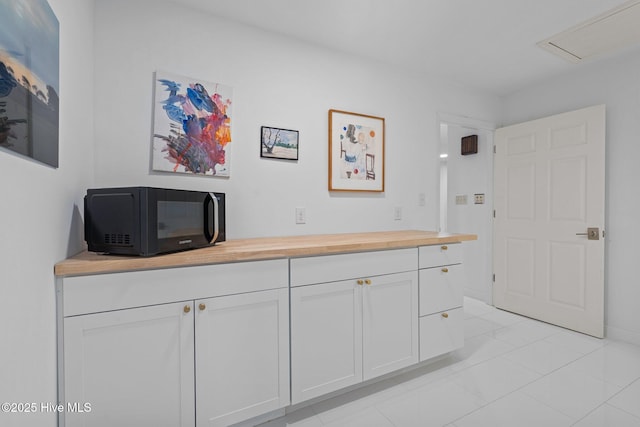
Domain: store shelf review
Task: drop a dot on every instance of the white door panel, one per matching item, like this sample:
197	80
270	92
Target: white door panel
390	326
134	366
549	188
326	338
242	356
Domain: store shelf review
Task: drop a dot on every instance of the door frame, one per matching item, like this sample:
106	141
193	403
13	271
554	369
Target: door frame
447	119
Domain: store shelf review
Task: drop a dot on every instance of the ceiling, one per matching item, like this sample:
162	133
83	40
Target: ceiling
485	44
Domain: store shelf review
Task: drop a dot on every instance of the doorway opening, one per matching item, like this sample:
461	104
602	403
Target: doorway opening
466	198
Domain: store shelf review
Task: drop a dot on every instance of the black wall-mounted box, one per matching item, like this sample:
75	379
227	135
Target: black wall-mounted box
469	145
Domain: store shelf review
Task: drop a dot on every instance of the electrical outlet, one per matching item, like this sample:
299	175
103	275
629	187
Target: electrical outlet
479	199
301	216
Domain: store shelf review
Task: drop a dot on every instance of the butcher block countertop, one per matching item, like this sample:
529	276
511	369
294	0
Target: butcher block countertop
258	249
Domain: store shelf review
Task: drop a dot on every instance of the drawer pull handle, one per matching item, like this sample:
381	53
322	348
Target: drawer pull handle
367	281
445	270
187	308
444	247
202	307
445	315
360	282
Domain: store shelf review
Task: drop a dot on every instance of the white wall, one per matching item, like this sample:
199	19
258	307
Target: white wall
277	82
615	83
40	225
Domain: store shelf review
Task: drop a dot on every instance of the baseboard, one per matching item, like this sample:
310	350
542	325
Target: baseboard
619	334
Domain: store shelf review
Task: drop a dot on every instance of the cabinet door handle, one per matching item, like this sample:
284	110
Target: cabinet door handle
360	282
367	281
445	315
187	308
445	270
202	307
444	247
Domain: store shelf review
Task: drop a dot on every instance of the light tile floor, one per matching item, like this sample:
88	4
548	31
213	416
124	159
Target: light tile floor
512	371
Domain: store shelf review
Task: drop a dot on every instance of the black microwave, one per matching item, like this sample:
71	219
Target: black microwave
148	221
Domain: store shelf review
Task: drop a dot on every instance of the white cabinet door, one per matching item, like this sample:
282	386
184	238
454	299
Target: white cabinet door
134	367
390	323
242	356
326	338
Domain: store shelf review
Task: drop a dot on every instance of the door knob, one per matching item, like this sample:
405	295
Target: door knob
593	233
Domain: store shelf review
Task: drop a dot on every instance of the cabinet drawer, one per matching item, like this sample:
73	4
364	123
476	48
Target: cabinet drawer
441	333
441	288
333	268
436	255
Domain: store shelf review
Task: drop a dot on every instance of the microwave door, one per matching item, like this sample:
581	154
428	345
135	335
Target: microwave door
211	218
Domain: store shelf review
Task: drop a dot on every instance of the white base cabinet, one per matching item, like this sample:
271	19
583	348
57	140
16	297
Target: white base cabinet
344	332
198	362
215	345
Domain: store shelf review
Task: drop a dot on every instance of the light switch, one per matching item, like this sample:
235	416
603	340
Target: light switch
397	213
301	216
461	199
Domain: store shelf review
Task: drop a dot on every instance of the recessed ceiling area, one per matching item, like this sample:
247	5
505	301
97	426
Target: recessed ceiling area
489	45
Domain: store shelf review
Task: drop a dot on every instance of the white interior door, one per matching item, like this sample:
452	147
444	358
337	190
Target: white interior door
549	190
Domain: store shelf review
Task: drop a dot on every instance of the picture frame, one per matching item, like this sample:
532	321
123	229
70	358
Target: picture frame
30	81
277	143
356	152
192	126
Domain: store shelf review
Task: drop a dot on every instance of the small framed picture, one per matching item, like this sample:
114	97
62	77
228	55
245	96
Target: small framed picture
276	143
356	152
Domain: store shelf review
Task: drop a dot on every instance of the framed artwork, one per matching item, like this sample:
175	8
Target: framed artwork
191	126
278	143
356	152
29	80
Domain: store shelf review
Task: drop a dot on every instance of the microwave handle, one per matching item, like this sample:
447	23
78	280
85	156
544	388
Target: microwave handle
211	198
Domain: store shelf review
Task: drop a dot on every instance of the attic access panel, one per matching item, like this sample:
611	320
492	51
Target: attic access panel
613	30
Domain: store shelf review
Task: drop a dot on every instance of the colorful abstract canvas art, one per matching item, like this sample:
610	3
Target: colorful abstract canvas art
192	126
29	80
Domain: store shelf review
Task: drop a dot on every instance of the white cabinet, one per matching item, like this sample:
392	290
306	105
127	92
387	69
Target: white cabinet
134	367
214	345
441	299
390	323
242	356
347	331
197	362
326	338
